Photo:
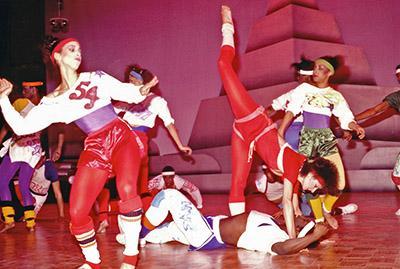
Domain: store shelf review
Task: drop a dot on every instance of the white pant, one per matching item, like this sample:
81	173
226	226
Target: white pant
187	219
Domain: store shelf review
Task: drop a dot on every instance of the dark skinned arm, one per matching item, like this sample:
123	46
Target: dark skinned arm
292	246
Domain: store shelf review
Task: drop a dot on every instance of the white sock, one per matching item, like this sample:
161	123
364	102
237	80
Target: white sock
130	227
89	249
236	208
227	35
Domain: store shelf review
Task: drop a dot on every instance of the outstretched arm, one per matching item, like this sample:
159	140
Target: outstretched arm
292	246
358	129
372	111
175	136
36	120
288	208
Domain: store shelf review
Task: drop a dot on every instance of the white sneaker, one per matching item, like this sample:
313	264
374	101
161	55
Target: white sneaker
120	238
349	209
398	212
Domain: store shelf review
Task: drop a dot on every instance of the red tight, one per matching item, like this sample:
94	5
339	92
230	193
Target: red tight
89	182
267	146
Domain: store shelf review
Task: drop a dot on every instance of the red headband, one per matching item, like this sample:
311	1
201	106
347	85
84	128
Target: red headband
60	45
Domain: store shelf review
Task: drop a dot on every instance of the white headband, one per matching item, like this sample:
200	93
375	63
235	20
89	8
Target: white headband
306	72
168	173
397	70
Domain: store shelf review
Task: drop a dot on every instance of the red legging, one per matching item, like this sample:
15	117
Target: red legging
89	182
242	105
144	164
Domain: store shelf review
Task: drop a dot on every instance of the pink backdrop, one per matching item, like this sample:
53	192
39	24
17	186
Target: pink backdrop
179	41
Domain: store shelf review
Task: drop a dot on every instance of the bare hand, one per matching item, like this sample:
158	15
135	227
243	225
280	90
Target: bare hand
297	212
145	89
347	136
358	129
5	87
185	149
320	230
56	155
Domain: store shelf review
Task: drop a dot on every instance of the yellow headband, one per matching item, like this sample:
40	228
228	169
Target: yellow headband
326	64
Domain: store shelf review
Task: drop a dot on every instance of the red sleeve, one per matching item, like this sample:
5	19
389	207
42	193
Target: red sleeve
292	163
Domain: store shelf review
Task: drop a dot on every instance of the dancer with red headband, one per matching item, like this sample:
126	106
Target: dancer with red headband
85	99
254	131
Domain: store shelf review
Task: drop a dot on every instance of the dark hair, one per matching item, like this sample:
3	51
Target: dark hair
50	42
304	64
326	170
146	74
397	67
168	168
334	61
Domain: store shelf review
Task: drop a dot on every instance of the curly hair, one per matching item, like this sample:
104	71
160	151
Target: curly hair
326	170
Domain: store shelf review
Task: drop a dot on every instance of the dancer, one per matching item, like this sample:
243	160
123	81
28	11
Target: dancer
272	186
20	153
45	175
168	179
141	117
317	103
391	101
30	91
252	231
304	71
254	131
110	147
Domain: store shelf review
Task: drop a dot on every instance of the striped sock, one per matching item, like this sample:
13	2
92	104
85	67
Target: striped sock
87	242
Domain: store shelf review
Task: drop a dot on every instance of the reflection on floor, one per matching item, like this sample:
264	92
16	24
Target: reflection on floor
368	239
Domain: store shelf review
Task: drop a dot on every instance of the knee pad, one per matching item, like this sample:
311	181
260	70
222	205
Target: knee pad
77	230
130	205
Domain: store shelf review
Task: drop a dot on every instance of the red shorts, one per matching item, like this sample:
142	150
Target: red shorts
100	145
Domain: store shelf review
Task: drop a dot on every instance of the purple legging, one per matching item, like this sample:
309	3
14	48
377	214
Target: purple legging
7	171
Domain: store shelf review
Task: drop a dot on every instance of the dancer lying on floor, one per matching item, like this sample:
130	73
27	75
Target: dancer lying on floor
251	230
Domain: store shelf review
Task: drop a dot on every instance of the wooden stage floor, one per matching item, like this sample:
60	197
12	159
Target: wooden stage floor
368	239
